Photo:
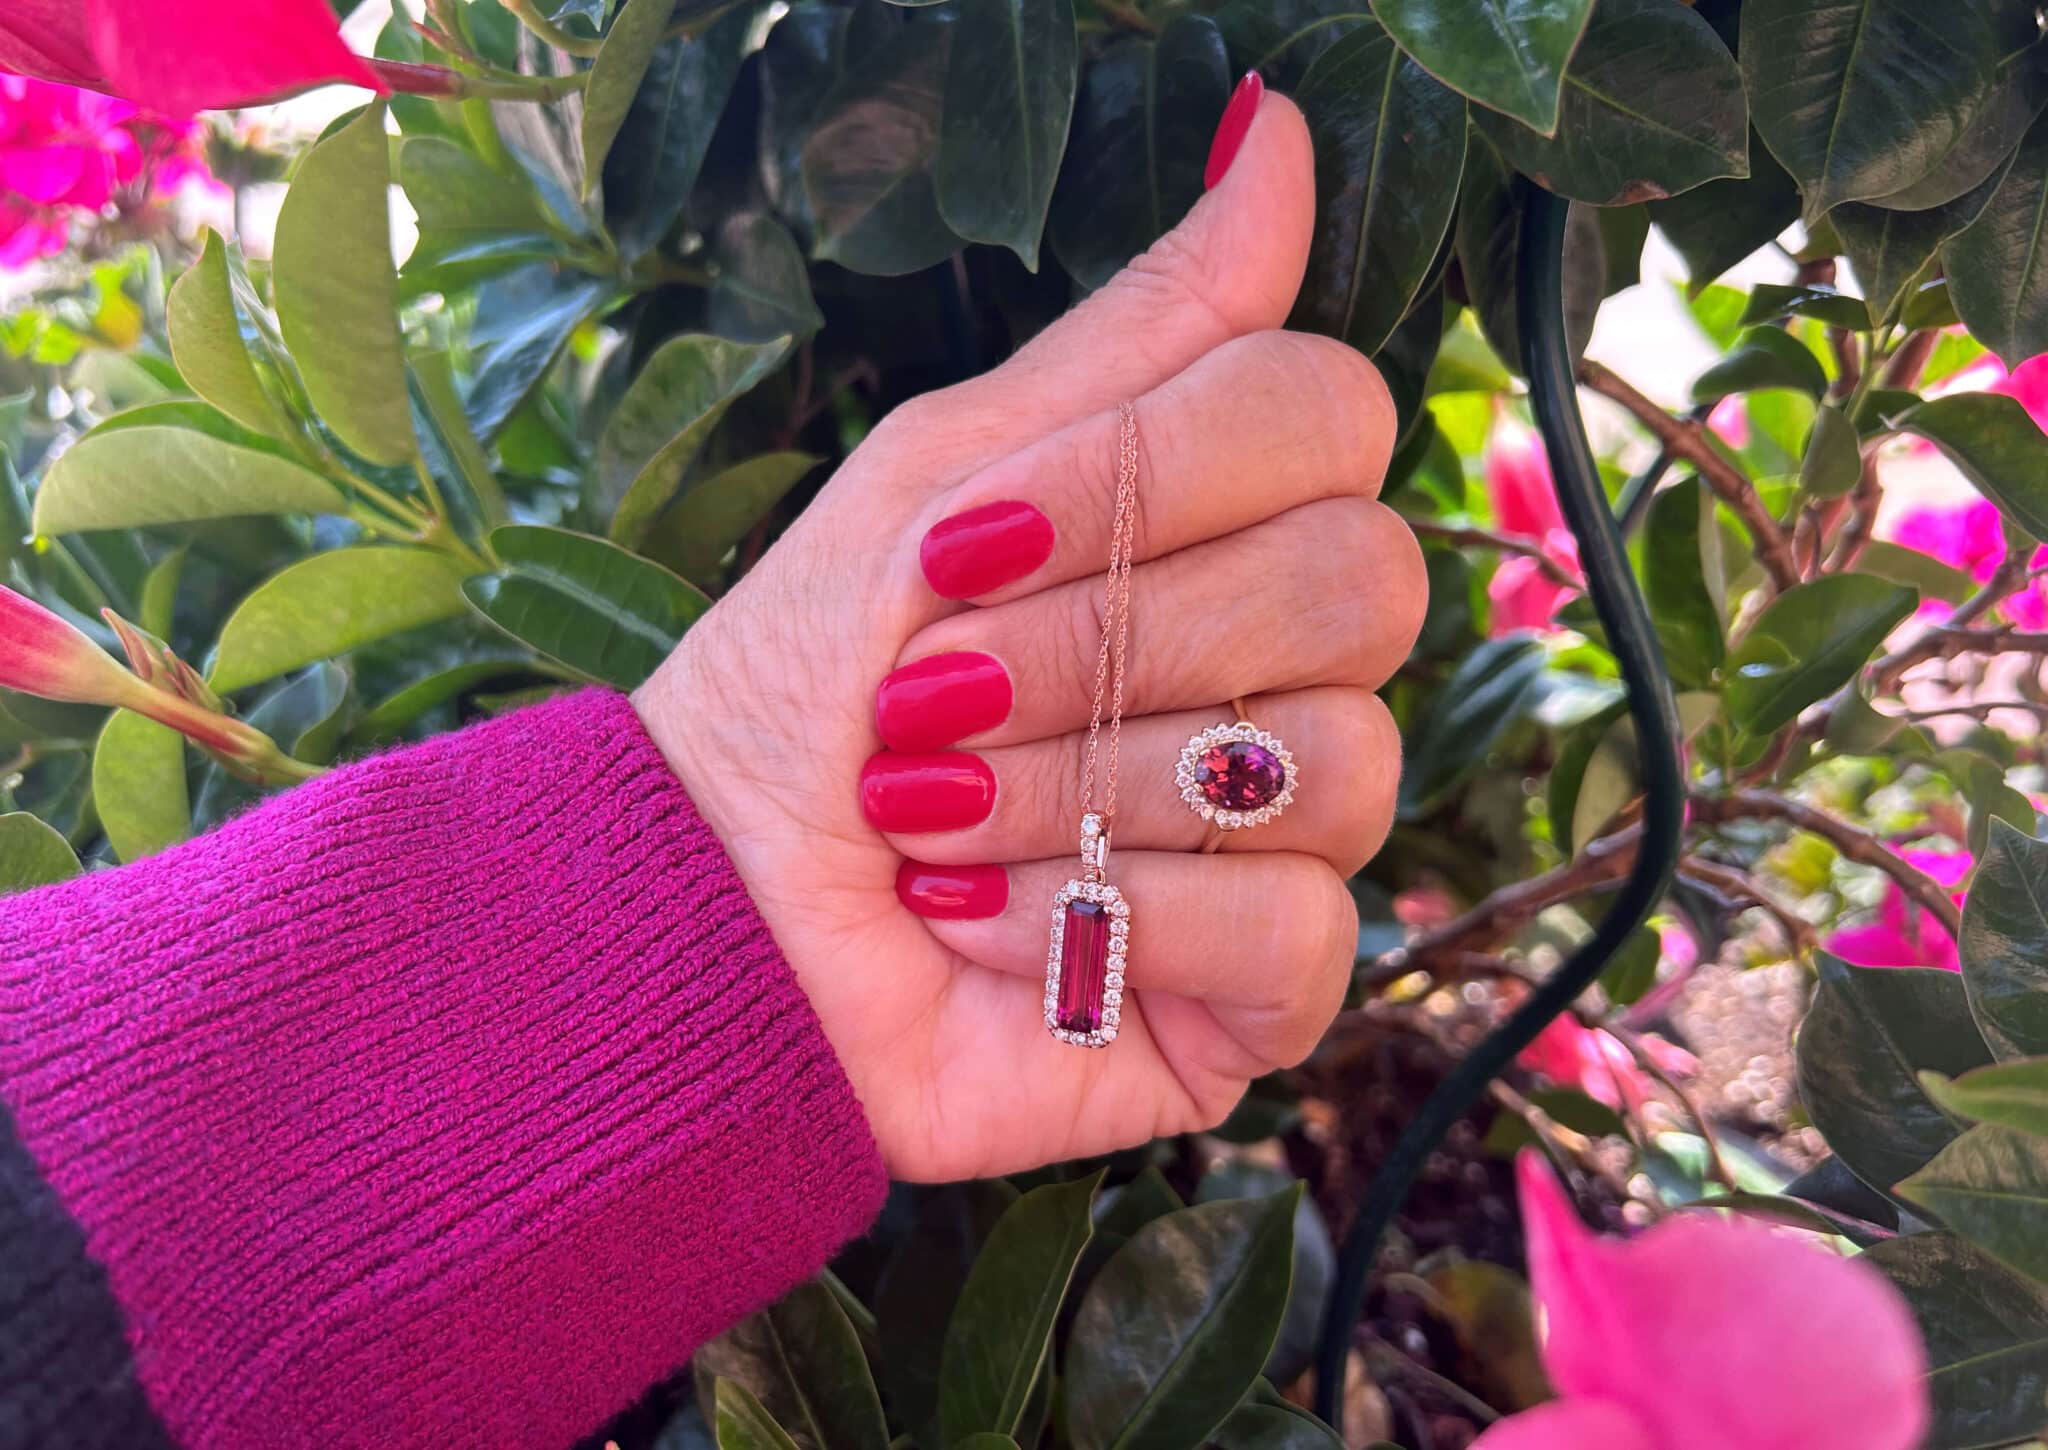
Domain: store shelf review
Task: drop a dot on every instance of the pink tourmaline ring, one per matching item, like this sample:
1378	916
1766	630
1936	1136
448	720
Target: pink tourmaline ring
1235	776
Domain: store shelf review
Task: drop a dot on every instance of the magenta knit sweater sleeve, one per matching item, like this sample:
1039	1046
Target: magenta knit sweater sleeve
449	1100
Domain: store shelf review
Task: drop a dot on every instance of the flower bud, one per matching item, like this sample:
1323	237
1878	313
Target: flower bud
42	655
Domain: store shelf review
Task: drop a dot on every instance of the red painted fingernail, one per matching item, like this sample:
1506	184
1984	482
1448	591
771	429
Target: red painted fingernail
953	893
1236	123
985	548
934	702
944	792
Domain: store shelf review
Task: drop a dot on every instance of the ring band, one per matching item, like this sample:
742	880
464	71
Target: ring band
1235	776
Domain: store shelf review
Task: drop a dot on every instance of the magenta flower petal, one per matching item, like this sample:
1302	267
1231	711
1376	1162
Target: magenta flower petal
211	53
1569	1425
55	175
47	38
1721	1333
1518	482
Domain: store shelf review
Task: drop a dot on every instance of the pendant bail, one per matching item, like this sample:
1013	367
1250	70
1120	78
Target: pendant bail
1094	847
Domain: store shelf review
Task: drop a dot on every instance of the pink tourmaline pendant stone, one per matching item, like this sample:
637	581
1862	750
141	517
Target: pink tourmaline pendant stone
1240	775
1084	964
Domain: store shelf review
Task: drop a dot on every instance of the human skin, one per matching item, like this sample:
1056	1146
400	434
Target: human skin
1267	569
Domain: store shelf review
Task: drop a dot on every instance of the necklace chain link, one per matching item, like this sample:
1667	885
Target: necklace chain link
1116	622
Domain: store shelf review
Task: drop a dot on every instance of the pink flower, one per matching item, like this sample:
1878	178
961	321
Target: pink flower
1708	1333
1903	935
1524	594
1594	1061
42	655
1730	421
177	59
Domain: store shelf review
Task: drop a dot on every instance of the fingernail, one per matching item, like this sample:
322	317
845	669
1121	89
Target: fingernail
953	893
985	548
944	792
936	701
1231	131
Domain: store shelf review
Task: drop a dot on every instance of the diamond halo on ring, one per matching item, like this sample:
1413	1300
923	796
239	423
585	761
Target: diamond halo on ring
1236	776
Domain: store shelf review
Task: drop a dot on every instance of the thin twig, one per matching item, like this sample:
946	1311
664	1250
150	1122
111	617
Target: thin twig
1491	539
1717	1165
1741	891
1848	364
1939	642
1906	365
1852	841
1688	440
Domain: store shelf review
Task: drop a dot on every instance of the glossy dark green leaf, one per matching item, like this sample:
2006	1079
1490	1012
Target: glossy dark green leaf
2004	945
1893	252
1408	357
450	449
1830	1186
1766	357
603	612
1998	265
2014	1094
615	78
869	157
1142	127
1985	145
705	524
1009	103
1986	1331
763	287
330	603
1769	300
389	717
804	56
205	334
1652	107
1483	697
32	854
1861	98
1833	461
1719	224
1807	644
138	781
1509	56
652	165
663	421
985	1440
1315	1260
129	476
1991	1186
1273	1427
1173	1331
1981	780
918	1289
801	1359
337	290
1870	1031
1390	149
1797	1213
743	1424
1000	1337
1487	242
523	320
1124	1210
1281	39
1997	445
1682	574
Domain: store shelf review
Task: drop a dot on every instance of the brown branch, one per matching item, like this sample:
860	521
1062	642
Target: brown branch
1852	841
1939	642
1910	360
1491	539
1848	363
1689	440
1863	502
1739	891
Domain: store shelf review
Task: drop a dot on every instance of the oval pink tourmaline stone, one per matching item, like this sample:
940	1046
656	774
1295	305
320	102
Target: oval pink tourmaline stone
1240	775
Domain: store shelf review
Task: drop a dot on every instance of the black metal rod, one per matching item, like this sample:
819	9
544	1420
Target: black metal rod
1553	397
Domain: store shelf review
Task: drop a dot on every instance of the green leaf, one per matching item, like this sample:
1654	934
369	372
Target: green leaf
138	782
206	341
663	421
463	204
918	1288
160	592
615	78
1833	462
802	1361
763	287
1142	127
1652	107
1000	1337
650	168
1509	56
447	442
1484	696
1893	252
523	320
1991	1186
1998	447
32	854
2014	1094
1923	572
1998	265
1255	1426
1769	300
743	1425
1984	147
329	604
1807	644
1390	149
2004	945
1009	103
1175	1328
1847	97
1986	1331
868	161
1719	224
129	476
337	292
388	719
1767	357
1682	574
1568	778
709	521
1869	1033
588	603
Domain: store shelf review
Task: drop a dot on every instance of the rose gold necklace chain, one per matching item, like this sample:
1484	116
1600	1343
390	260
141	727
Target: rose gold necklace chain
1116	621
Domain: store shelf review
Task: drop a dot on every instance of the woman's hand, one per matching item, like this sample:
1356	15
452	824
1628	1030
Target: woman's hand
976	521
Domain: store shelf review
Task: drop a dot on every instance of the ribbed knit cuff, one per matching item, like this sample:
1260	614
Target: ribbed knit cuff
449	1100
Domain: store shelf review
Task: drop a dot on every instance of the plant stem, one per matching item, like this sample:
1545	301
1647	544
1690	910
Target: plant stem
1942	641
1491	539
548	32
415	79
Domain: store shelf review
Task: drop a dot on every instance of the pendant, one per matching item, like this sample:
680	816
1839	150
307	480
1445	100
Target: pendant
1084	963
